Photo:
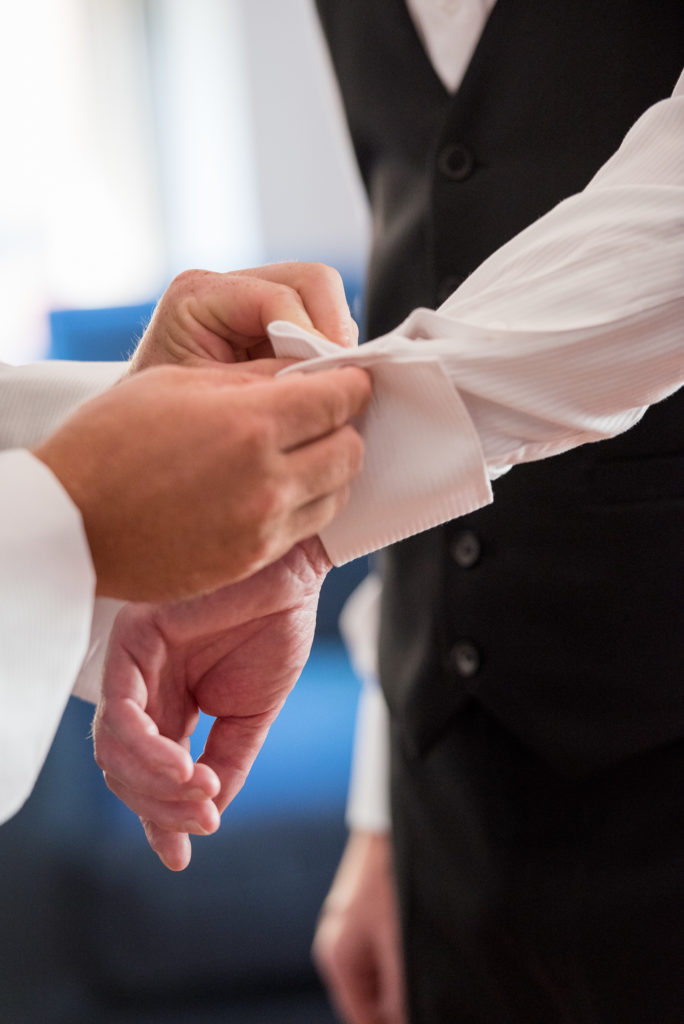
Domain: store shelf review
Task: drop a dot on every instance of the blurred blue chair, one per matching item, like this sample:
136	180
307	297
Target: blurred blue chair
97	334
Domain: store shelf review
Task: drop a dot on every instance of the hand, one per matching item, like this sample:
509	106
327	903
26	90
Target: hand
236	655
187	481
204	318
357	945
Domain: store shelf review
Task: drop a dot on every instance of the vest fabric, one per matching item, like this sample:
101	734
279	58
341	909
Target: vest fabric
531	652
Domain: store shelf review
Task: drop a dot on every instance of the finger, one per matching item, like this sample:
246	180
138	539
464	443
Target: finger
200	817
128	744
248	372
236	308
326	303
137	774
172	848
231	749
309	406
322	297
326	466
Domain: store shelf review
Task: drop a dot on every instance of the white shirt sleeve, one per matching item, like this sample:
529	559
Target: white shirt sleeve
47	587
563	336
47	581
368	800
37	397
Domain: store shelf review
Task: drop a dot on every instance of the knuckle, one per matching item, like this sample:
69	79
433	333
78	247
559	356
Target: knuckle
181	295
259	438
337	406
324	273
269	504
352	451
186	282
265	511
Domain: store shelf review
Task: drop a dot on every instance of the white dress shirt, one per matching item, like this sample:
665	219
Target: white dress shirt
48	631
562	337
50	624
450	31
517	367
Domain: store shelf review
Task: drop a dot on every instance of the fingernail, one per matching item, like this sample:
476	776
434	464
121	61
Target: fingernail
173	772
197	794
199	830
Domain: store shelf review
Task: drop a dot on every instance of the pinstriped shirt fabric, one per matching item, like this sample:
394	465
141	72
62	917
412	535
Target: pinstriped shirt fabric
47	581
449	31
564	336
581	321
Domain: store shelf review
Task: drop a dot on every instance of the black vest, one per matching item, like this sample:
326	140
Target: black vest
531	652
558	609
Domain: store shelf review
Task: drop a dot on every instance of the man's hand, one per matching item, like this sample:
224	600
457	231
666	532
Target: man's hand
235	655
205	318
357	946
188	479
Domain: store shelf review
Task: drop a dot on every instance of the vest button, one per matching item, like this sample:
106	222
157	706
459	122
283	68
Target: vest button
456	162
447	286
464	659
466	549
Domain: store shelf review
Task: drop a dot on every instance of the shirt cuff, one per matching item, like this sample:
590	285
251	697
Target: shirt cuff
88	683
423	462
47	592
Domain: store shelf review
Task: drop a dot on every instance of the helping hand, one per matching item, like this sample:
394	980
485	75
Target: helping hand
206	318
190	479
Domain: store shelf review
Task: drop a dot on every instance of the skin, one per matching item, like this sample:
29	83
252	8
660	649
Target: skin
237	650
357	947
205	319
234	654
192	475
235	468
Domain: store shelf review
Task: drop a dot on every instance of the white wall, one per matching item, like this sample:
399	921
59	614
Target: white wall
144	136
311	197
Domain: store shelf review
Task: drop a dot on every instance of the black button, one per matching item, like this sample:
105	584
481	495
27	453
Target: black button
447	286
456	162
466	549
464	659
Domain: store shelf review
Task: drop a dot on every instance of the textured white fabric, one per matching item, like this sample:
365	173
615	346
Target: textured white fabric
36	398
449	31
89	679
46	599
410	480
582	321
47	582
563	336
369	784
